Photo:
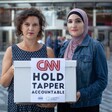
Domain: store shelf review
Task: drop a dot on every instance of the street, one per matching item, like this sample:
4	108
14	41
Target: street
106	105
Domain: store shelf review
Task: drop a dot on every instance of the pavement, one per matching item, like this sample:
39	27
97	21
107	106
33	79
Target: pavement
3	91
106	105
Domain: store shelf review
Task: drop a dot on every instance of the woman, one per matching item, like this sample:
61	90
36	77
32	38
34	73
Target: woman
30	25
91	71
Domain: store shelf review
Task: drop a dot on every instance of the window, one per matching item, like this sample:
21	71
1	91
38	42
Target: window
5	17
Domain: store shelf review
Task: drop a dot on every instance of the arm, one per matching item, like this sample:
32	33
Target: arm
7	68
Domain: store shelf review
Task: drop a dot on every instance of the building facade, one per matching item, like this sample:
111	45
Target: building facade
99	13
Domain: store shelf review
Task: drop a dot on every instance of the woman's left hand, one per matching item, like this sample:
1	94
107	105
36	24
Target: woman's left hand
46	105
78	95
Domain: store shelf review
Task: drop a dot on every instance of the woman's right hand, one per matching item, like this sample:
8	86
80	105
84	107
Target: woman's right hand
7	68
6	78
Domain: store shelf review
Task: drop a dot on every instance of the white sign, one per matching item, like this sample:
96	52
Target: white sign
47	80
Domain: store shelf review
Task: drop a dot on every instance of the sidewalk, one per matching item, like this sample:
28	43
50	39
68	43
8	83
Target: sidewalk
3	99
3	91
106	105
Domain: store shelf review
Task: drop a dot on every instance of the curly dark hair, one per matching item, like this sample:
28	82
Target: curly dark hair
24	15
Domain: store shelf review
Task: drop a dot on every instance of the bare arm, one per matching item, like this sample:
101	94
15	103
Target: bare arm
7	68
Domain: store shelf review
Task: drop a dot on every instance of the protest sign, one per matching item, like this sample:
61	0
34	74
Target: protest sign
47	80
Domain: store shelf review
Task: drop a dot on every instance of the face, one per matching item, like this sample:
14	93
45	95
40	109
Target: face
30	27
75	25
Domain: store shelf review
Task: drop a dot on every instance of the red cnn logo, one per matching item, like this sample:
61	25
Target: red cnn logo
43	65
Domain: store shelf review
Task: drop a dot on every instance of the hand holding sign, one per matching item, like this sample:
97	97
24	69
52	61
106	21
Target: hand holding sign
47	105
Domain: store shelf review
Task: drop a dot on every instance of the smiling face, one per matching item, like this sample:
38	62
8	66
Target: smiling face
30	27
75	25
